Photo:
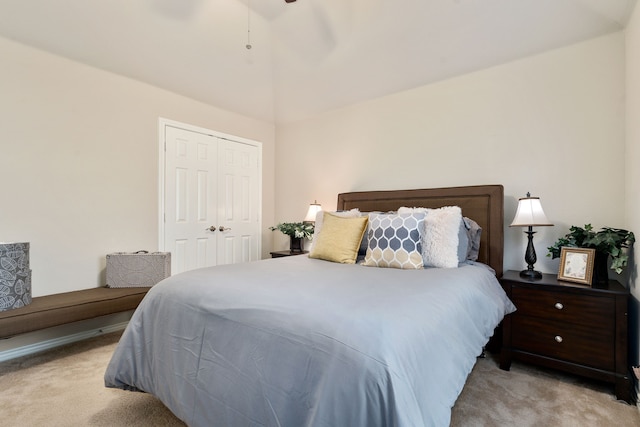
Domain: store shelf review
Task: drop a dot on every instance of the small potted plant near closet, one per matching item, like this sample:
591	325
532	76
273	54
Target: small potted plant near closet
297	232
608	242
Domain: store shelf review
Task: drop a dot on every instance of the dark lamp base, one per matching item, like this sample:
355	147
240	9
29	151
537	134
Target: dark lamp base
531	274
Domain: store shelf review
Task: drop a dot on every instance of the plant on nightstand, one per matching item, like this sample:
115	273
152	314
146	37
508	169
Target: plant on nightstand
607	242
297	231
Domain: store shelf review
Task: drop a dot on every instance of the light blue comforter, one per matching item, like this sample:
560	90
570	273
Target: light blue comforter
304	342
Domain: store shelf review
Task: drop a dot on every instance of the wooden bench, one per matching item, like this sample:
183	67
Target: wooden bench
59	309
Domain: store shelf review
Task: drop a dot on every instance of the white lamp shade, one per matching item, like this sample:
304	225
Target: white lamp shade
314	208
530	213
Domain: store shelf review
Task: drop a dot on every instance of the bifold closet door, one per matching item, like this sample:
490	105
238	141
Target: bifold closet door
211	200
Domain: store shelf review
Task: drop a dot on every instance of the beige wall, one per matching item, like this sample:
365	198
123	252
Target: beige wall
79	163
551	124
632	165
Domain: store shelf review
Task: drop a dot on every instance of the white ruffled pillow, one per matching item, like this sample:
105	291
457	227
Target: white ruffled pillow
440	238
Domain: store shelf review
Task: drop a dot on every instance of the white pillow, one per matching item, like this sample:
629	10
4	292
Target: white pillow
440	238
353	213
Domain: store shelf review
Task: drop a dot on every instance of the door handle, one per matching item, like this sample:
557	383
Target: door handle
222	228
212	228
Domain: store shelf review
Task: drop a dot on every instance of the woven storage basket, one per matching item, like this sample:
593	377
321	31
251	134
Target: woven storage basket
137	269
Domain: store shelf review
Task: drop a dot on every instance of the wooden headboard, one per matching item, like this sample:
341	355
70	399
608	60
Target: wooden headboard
482	203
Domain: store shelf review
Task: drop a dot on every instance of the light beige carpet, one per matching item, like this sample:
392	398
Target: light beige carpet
64	387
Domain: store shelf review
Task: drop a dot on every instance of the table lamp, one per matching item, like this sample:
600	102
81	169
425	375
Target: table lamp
530	214
314	208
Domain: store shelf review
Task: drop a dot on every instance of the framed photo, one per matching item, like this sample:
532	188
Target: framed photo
576	265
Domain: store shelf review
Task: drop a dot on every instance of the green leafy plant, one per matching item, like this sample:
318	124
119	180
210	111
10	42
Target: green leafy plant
611	241
300	230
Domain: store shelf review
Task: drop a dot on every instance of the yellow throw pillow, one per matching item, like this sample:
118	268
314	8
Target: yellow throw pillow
340	239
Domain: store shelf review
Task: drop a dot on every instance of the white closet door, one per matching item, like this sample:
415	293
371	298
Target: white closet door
190	199
238	202
211	199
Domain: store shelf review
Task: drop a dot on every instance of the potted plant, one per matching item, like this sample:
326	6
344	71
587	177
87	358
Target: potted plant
297	231
608	242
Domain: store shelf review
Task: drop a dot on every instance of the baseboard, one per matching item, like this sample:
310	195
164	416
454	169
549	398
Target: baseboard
59	341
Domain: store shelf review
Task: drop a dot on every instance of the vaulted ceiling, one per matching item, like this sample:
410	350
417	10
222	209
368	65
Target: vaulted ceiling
308	56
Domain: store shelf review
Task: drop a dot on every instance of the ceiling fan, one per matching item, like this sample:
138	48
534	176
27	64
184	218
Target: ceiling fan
289	1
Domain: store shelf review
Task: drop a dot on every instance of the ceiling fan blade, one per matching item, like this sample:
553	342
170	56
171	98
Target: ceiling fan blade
289	1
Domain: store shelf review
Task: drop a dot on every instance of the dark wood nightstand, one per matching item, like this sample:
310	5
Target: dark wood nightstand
573	328
280	254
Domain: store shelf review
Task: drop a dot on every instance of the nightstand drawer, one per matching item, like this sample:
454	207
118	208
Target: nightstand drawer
587	345
587	310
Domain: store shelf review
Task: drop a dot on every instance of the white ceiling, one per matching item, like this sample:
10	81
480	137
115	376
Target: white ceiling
309	56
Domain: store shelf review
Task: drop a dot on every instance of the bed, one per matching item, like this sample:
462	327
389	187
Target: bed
300	341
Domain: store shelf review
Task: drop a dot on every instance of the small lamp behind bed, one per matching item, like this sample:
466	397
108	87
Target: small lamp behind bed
314	208
530	214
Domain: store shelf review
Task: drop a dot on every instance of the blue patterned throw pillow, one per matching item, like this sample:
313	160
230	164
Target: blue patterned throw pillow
394	240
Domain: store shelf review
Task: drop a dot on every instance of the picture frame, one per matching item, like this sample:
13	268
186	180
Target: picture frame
576	265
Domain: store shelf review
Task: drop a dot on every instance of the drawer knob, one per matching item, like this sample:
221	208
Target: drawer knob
559	306
558	338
